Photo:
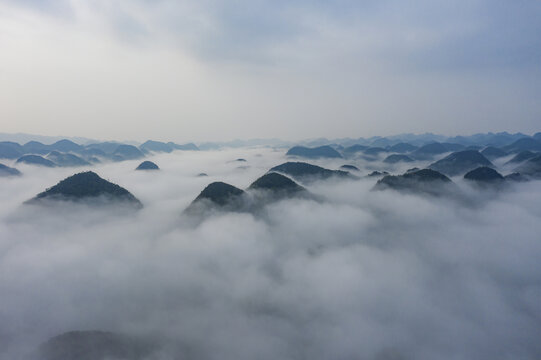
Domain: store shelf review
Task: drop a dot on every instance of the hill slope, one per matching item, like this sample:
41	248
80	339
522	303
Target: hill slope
35	160
421	181
8	171
484	174
305	172
277	184
87	185
147	165
460	162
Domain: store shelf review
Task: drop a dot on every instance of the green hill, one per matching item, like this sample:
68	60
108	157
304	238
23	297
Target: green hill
425	181
147	165
302	171
460	162
484	174
87	185
8	171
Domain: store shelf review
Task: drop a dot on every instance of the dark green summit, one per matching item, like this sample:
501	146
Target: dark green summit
425	181
147	165
275	182
484	174
219	193
87	186
460	162
305	172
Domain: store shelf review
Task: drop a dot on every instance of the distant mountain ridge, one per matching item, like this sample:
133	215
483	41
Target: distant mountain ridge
22	138
65	152
314	153
412	140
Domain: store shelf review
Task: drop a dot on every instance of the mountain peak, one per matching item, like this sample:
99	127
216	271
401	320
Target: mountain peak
276	183
147	165
87	185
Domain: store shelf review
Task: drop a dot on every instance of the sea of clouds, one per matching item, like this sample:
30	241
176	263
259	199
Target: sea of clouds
361	275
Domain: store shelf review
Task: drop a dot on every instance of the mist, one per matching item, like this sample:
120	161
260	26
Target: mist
360	275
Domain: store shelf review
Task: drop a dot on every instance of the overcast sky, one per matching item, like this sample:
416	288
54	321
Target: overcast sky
217	70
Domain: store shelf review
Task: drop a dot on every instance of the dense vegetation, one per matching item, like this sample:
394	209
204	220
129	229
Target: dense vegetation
303	171
35	160
147	165
219	193
8	171
423	181
491	152
521	157
87	185
396	158
531	167
460	162
348	167
66	159
9	151
156	146
276	182
128	152
484	174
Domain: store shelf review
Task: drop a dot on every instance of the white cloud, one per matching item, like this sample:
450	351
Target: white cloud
364	274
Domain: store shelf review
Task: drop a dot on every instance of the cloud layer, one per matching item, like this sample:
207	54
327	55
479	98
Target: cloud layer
363	275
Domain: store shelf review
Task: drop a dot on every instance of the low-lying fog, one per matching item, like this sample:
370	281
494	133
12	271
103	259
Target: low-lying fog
363	275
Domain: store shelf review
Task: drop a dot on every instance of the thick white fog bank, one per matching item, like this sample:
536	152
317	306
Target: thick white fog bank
360	275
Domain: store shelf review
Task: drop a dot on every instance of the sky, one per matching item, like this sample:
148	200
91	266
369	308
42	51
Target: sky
218	70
